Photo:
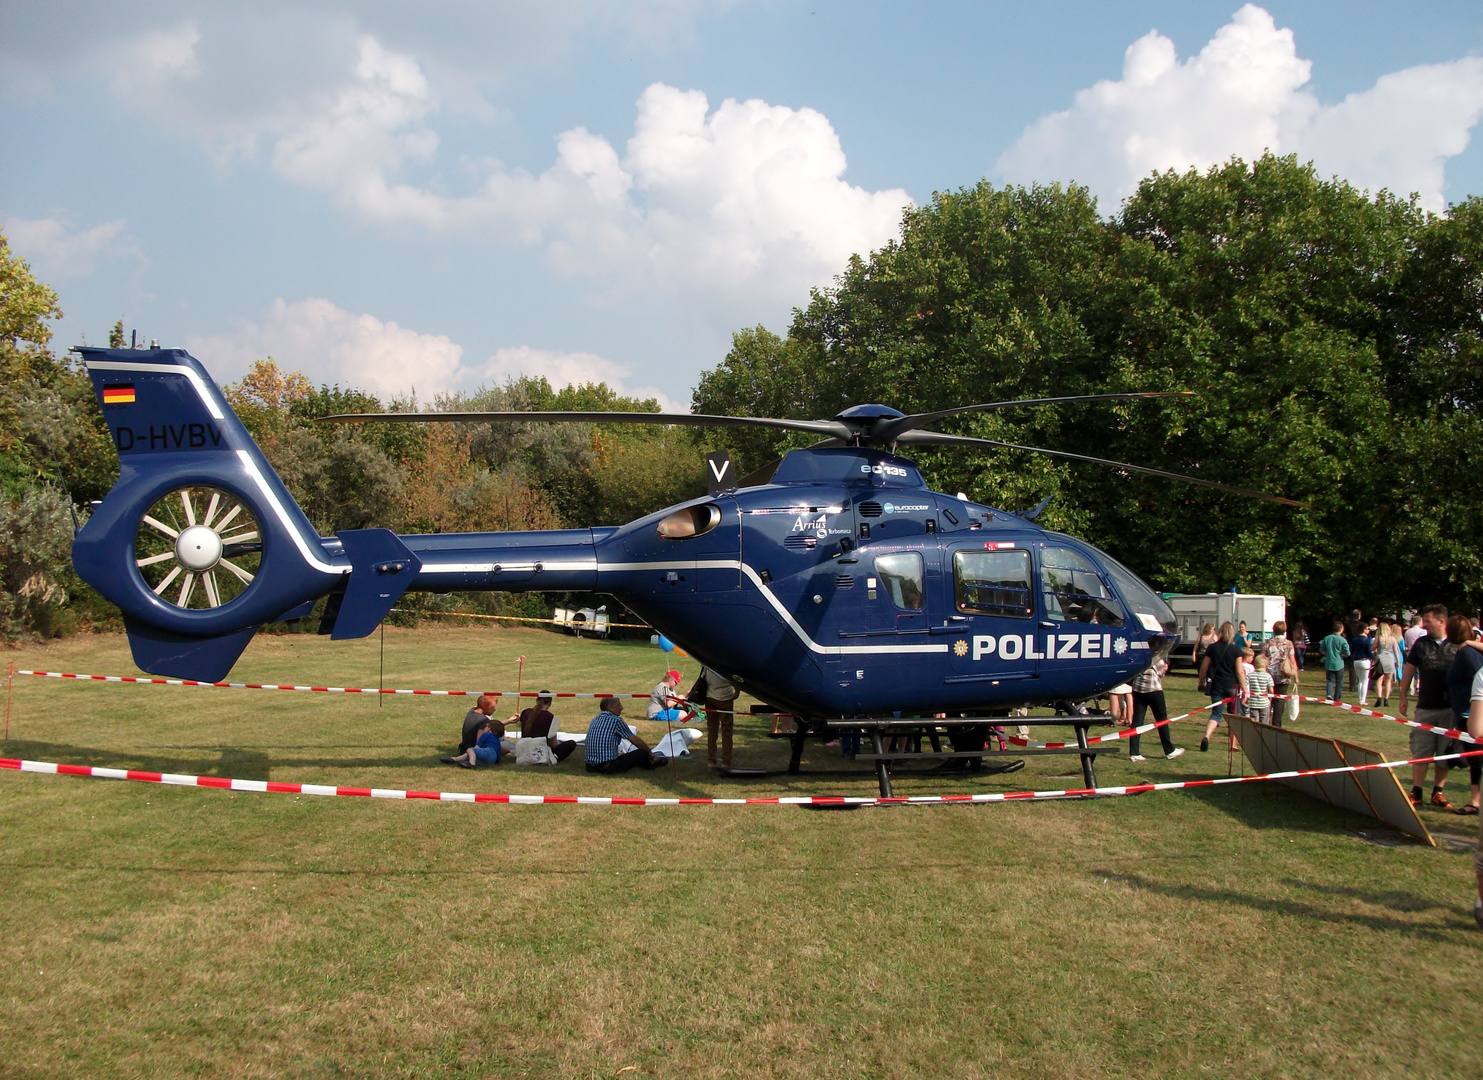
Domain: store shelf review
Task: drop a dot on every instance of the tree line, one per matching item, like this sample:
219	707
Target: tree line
1333	341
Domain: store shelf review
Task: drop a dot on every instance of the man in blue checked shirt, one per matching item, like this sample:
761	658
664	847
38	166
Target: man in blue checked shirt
606	734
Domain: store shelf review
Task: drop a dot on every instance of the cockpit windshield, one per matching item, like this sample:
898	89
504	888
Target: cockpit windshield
1073	589
1148	606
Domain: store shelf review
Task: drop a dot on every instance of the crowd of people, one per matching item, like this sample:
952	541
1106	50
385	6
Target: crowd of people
610	744
1435	659
1438	659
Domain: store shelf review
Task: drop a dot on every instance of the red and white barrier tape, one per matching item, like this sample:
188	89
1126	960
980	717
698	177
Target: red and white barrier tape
274	787
1451	733
315	689
1125	733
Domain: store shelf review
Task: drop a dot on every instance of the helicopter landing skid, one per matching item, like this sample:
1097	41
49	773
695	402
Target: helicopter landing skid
912	731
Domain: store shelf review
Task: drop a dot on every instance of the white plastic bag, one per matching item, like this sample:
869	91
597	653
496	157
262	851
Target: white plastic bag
534	752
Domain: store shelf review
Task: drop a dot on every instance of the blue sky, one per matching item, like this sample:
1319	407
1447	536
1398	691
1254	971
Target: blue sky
438	195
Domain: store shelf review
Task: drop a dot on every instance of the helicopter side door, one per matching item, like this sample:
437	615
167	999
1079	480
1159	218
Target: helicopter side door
895	584
989	601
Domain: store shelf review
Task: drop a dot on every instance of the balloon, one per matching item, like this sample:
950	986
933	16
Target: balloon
666	644
681	652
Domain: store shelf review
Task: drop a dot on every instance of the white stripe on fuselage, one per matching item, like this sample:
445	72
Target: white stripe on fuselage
777	605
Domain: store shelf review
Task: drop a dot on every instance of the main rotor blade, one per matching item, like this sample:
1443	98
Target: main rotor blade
937	438
818	427
885	431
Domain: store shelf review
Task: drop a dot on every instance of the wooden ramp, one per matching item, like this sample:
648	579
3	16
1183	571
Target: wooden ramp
1375	793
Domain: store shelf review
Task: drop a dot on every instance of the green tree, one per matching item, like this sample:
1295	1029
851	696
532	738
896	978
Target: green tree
1269	292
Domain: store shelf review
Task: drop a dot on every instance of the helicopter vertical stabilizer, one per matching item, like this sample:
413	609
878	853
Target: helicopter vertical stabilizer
199	541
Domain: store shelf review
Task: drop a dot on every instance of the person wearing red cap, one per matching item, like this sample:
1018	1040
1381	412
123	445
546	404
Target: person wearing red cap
664	703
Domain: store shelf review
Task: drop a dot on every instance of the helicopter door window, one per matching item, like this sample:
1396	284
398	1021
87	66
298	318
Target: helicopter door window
992	583
1074	590
901	577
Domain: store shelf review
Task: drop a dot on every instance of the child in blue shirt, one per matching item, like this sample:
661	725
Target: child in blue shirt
485	751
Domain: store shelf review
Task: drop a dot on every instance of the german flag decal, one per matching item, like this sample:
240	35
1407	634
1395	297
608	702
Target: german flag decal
118	394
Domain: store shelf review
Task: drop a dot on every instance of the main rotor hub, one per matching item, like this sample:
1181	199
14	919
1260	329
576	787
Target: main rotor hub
198	548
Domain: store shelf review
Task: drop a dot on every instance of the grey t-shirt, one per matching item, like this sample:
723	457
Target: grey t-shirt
659	699
473	720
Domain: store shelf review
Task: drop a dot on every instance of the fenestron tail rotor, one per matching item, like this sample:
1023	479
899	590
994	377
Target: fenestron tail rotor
198	548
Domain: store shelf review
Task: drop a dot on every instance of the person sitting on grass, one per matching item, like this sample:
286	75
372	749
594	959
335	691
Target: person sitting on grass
485	751
540	722
605	736
666	706
474	721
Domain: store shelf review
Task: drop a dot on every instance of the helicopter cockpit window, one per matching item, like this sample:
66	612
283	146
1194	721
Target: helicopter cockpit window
901	578
1148	605
1074	591
993	583
691	521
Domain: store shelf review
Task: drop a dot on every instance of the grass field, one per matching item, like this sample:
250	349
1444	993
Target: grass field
149	931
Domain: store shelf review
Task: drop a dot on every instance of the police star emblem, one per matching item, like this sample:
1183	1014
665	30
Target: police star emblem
960	647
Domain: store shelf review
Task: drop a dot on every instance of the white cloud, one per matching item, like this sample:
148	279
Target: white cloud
569	369
332	345
740	205
1243	95
712	217
372	126
157	58
56	253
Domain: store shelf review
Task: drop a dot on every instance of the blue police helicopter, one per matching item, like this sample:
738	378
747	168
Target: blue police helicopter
839	586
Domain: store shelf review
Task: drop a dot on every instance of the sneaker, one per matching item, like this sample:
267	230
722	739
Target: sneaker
1137	757
1172	754
1204	745
1440	801
1416	797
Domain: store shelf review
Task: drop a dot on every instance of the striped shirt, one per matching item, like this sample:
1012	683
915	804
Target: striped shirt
1259	685
604	735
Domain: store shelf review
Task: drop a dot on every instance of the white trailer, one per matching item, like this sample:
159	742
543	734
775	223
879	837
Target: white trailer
1194	610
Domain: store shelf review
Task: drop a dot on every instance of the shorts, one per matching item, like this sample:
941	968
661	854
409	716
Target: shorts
487	755
1433	743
